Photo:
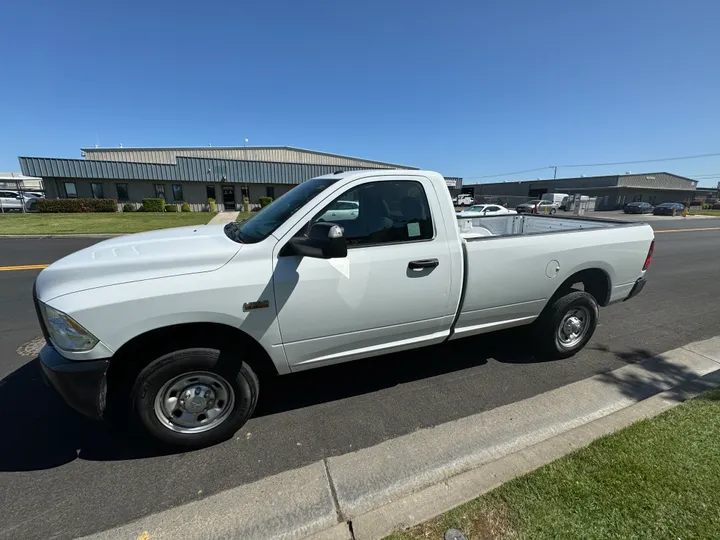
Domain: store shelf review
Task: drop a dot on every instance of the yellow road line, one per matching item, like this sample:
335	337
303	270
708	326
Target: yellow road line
691	230
23	267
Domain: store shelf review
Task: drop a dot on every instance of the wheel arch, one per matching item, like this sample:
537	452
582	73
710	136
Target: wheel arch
142	349
595	280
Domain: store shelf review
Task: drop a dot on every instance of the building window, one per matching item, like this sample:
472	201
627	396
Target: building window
270	192
122	191
245	193
97	190
210	192
160	191
637	198
177	192
70	190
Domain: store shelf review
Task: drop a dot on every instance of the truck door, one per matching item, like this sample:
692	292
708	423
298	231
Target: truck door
392	291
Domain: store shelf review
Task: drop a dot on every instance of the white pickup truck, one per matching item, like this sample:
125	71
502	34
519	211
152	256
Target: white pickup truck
180	327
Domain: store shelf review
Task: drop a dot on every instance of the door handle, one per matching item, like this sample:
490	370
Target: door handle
423	263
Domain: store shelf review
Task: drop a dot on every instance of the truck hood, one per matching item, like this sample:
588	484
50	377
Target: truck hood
137	257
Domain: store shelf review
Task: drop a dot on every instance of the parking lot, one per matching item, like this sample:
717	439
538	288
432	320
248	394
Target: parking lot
62	476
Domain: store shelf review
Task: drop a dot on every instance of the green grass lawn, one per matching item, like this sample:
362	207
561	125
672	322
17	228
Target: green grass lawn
97	222
659	478
705	213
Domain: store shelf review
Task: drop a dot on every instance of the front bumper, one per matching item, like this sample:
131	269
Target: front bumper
81	384
637	288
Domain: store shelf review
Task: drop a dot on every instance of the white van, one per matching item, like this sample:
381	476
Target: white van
555	198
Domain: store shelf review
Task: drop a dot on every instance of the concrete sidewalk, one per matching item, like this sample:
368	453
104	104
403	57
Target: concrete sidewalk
367	494
223	217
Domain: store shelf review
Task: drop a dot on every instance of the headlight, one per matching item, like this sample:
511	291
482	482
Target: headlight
65	333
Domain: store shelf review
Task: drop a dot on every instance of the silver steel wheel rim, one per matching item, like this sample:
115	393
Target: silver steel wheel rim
573	327
194	402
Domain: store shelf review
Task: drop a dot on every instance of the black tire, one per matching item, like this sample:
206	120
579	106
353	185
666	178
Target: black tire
547	327
552	211
238	375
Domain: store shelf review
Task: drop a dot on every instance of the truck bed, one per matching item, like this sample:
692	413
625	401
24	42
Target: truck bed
515	263
522	224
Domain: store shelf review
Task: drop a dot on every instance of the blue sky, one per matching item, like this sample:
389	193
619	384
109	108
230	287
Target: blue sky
466	88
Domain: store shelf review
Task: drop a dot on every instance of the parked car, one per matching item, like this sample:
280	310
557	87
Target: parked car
668	208
479	210
13	201
638	208
341	210
31	200
182	327
537	206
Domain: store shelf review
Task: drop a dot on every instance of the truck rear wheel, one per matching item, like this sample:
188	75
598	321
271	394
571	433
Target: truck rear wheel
567	325
195	397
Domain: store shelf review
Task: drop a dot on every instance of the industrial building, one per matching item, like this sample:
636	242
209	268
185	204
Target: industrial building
192	175
612	192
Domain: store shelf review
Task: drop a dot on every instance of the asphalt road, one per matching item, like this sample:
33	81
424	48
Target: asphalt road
62	476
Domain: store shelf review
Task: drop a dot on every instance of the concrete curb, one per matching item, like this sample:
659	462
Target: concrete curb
367	494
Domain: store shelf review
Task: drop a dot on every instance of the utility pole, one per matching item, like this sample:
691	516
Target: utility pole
555	173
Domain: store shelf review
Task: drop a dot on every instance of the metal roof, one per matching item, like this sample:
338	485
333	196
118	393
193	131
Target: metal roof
251	172
282	154
186	170
80	168
659	180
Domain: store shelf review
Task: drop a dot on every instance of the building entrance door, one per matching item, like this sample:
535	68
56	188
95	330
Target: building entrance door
229	197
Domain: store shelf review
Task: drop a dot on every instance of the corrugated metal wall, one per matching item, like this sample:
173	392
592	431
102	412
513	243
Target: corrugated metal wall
186	169
656	181
272	154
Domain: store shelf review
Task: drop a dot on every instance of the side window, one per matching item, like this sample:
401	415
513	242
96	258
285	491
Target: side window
97	190
492	208
70	190
382	212
122	191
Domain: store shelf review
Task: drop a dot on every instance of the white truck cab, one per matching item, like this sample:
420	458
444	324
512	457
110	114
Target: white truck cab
182	326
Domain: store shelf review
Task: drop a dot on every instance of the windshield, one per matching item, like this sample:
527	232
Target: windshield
262	224
533	202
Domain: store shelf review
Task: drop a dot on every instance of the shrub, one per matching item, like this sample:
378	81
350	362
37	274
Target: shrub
171	207
264	201
184	207
707	206
154	205
55	206
127	207
212	205
246	205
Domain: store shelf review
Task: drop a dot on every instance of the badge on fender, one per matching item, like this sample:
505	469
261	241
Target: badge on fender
260	304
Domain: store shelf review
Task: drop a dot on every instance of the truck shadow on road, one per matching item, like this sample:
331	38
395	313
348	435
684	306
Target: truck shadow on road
42	433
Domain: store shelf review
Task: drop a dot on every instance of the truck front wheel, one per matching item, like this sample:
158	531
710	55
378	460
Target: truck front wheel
567	325
194	397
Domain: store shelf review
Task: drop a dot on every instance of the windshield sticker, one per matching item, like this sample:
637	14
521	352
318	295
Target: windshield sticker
413	229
